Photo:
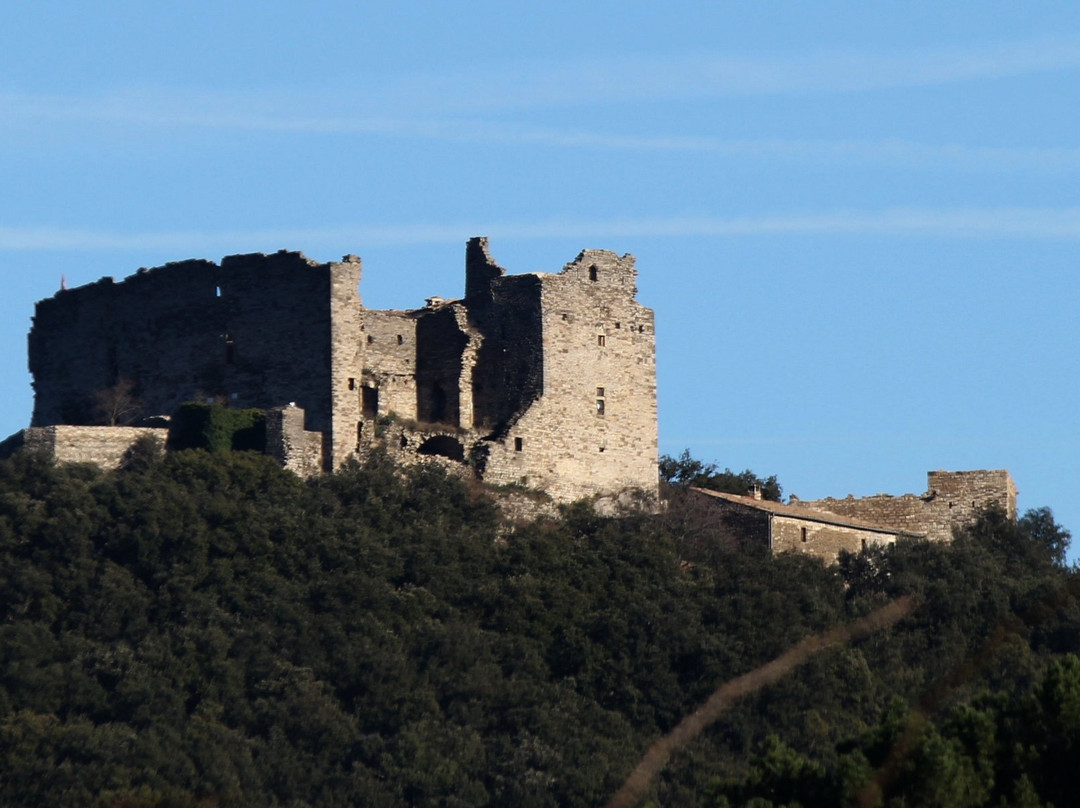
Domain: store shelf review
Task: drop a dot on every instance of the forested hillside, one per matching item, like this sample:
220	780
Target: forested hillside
207	629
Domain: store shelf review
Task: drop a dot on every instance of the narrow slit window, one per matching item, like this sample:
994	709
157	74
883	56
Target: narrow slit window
352	383
599	406
519	444
400	339
601	340
803	530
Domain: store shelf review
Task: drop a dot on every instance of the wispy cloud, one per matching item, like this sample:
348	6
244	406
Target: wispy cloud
375	103
1000	223
216	112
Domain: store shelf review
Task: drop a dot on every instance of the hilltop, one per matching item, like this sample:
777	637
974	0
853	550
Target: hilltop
211	629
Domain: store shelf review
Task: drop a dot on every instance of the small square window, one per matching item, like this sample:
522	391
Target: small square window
599	392
370	339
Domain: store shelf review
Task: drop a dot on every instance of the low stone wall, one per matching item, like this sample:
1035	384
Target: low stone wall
952	499
296	448
104	446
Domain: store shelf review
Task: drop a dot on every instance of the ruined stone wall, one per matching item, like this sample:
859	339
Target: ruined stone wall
161	328
255	331
547	380
440	345
347	355
104	446
389	372
508	374
594	427
278	318
822	540
290	444
953	498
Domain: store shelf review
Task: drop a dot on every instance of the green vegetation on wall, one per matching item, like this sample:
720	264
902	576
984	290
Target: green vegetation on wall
217	428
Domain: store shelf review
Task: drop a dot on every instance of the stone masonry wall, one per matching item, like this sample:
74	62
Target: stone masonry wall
953	498
161	328
822	540
594	427
104	446
290	444
254	331
508	374
389	372
547	380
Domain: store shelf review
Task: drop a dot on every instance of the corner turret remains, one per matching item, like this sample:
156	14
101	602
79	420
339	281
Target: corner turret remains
542	380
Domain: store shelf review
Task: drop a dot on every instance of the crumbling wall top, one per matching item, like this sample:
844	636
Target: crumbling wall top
480	269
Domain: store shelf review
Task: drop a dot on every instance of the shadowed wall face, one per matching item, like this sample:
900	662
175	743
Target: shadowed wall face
254	332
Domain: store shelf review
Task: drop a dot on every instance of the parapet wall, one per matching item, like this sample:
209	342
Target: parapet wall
952	499
104	446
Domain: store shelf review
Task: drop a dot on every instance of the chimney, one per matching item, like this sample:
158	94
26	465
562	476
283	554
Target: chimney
755	491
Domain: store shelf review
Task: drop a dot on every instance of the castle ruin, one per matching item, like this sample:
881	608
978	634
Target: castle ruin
542	380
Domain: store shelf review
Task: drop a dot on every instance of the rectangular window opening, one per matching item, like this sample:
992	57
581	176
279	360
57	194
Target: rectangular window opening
803	534
599	392
369	401
599	406
518	444
352	383
601	340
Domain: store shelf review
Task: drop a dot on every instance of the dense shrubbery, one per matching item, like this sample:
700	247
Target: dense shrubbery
217	428
685	470
208	629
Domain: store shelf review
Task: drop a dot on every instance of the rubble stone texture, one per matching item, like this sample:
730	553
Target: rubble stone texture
542	380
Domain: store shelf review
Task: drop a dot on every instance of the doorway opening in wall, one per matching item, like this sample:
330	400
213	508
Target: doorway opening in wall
443	446
438	405
369	400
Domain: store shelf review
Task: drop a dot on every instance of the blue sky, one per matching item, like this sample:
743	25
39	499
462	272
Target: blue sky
857	222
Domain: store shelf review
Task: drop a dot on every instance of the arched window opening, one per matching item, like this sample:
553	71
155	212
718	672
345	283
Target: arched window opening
443	446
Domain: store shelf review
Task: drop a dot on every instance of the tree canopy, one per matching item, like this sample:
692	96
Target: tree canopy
208	629
687	471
